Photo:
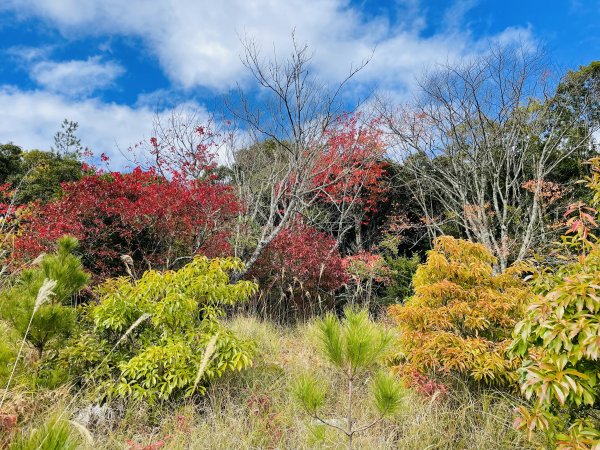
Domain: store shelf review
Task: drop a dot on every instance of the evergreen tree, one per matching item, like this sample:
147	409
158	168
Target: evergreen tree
354	346
39	305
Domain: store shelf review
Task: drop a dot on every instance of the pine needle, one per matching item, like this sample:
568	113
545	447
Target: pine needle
46	290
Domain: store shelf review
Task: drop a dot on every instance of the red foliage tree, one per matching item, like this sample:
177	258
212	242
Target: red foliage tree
184	143
156	221
350	175
352	169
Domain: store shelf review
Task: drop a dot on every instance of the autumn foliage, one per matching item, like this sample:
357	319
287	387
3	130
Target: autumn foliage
301	261
141	214
352	168
460	319
558	340
559	336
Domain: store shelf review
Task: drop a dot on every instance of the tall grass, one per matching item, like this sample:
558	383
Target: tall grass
254	409
54	434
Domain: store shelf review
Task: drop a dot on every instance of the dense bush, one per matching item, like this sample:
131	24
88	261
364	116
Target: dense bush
153	220
37	175
160	337
559	337
300	264
460	319
401	270
559	342
42	173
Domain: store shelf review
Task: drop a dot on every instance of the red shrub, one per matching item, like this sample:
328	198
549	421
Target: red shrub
301	258
140	214
426	386
8	422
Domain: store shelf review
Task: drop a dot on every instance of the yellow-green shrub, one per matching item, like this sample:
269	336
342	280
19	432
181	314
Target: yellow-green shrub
460	319
160	337
560	342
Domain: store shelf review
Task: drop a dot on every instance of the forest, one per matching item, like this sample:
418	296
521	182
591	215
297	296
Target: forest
308	273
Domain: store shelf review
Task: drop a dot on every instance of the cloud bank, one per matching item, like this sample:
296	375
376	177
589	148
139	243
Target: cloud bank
197	46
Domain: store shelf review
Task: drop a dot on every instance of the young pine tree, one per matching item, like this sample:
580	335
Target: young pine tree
354	346
38	306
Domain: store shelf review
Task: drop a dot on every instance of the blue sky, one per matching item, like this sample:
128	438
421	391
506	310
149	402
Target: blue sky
110	64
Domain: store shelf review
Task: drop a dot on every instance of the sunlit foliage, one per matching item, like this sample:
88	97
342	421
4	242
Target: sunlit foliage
460	319
160	337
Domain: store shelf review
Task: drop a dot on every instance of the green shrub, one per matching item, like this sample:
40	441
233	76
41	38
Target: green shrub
559	339
159	337
561	348
401	272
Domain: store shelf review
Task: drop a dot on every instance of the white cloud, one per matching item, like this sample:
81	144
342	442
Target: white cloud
25	55
75	77
197	42
31	118
456	12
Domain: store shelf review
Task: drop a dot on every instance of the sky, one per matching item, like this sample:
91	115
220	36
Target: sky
111	65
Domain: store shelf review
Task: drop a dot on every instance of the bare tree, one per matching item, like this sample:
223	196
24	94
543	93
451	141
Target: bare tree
481	144
185	141
276	173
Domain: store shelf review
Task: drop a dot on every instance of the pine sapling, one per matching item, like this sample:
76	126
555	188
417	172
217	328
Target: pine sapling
45	292
39	305
354	346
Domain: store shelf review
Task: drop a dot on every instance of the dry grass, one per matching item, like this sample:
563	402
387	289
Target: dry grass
254	409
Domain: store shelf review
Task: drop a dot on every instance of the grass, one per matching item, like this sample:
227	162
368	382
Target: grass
54	434
254	409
